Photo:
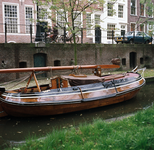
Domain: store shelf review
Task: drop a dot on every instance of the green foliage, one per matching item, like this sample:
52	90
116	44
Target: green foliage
148	11
68	12
136	133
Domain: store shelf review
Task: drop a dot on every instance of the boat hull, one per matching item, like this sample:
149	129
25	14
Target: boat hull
2	112
44	110
71	99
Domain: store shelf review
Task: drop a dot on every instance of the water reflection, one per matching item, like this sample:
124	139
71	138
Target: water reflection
17	129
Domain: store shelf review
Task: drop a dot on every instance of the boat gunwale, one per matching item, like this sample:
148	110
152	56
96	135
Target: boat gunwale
60	93
63	102
73	88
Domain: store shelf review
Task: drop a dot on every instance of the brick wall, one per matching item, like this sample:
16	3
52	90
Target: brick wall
13	54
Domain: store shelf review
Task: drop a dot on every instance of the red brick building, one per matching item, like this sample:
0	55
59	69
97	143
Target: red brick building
18	15
140	16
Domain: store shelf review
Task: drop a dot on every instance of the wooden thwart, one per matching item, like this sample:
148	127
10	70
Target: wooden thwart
111	77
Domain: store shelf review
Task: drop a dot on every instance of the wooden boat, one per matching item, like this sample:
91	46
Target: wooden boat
65	94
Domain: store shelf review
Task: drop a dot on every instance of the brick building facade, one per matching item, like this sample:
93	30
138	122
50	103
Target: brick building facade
128	15
17	15
139	16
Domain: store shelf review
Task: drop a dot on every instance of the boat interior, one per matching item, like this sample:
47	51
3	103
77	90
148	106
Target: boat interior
71	80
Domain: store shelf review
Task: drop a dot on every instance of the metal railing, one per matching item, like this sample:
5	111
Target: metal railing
97	35
7	29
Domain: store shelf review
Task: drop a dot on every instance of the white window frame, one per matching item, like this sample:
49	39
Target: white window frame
98	20
108	10
89	29
94	24
18	19
45	17
122	12
133	23
48	11
108	31
30	6
143	27
122	27
81	25
150	26
135	8
152	12
143	11
60	31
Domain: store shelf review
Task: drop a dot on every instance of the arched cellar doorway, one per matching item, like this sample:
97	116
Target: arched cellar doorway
40	61
132	59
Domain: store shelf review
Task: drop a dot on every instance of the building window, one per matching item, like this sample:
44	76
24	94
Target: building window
11	18
77	22
150	27
150	11
57	63
61	21
110	9
43	13
110	30
132	26
29	16
122	26
97	20
120	11
142	27
141	9
133	7
88	24
23	65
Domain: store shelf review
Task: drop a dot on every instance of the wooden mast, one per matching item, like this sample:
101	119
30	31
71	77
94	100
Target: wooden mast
35	69
15	70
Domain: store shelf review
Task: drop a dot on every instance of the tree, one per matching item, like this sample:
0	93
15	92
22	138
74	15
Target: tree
68	14
146	9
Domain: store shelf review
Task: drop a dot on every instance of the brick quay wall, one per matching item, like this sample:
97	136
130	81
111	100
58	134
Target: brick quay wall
15	55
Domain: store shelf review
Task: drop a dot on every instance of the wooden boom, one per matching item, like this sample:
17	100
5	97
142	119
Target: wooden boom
15	70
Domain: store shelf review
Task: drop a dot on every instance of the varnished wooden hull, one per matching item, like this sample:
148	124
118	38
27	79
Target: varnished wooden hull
44	110
81	98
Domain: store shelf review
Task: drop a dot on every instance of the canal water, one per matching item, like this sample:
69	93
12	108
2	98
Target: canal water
14	129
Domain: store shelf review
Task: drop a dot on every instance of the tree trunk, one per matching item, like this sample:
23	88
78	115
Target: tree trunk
75	49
